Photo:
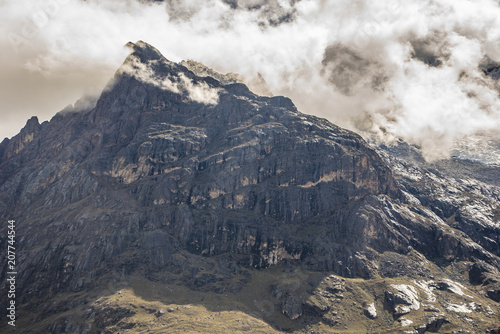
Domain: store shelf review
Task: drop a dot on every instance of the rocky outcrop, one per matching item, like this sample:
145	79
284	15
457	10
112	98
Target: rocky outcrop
460	196
481	271
494	294
292	307
434	325
10	147
403	299
370	311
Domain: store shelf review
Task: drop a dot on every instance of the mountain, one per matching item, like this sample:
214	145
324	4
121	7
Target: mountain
181	201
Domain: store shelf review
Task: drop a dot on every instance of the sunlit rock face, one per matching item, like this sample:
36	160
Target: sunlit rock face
169	162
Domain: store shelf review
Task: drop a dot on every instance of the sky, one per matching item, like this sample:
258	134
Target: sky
392	69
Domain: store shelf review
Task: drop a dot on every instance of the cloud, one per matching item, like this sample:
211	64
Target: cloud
177	83
388	69
348	71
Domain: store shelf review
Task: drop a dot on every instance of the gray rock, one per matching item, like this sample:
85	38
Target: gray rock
480	271
370	311
433	325
402	300
292	307
494	295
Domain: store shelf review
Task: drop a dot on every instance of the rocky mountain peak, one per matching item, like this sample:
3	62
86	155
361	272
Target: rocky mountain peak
11	147
202	70
176	179
31	125
144	51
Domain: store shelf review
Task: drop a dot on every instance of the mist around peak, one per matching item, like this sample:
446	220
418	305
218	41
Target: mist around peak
425	72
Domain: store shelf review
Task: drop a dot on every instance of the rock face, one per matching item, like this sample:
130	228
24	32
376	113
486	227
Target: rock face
169	166
157	164
464	198
481	271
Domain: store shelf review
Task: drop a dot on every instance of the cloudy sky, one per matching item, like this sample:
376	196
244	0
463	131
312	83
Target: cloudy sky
390	69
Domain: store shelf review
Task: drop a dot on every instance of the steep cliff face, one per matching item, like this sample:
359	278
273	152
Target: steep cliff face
169	166
213	166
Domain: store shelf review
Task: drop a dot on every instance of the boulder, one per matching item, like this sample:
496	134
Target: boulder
402	299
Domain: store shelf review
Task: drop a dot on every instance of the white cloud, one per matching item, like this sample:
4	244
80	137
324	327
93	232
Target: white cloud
72	47
179	83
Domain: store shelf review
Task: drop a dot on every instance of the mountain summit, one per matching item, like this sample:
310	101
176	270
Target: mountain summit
192	194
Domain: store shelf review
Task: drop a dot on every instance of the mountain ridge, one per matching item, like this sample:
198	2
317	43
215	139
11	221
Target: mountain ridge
170	169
